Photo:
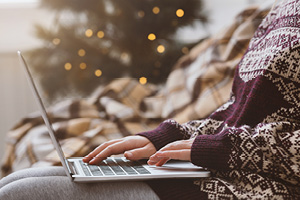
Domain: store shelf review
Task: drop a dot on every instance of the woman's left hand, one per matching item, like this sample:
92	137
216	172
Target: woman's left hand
179	150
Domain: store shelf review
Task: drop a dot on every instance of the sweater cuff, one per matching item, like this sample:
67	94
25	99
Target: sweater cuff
211	151
167	132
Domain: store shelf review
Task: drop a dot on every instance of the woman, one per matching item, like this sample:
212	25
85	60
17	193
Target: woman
251	144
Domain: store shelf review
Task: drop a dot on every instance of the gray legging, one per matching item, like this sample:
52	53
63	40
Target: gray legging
52	183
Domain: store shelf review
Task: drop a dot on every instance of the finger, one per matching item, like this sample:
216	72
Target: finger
140	153
184	154
100	148
154	159
158	161
162	161
116	147
182	144
113	149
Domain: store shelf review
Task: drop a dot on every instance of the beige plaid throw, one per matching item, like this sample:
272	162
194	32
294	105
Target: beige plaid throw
200	82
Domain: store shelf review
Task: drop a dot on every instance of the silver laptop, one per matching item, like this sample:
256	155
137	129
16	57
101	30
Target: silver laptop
113	168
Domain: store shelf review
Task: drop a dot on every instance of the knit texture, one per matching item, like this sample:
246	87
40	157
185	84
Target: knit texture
211	151
167	132
251	143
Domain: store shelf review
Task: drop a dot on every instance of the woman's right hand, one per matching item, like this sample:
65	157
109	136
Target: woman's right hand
135	147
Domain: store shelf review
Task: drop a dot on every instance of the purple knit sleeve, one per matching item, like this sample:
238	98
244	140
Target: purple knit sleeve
167	132
271	148
211	151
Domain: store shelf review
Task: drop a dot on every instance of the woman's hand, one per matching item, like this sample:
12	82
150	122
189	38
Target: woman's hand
179	150
135	148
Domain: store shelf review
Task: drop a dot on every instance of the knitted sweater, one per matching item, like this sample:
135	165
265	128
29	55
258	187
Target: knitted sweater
251	143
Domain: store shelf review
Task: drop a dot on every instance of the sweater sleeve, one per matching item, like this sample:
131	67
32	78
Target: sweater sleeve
167	132
272	148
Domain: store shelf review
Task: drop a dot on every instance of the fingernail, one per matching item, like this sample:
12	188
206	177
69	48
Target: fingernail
128	154
153	156
150	162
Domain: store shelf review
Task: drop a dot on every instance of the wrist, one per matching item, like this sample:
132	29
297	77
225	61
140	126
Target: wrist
167	132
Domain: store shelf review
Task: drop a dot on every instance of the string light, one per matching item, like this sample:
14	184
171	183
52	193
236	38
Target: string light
151	36
143	80
100	34
98	73
141	14
179	13
68	66
161	48
89	33
81	52
156	10
82	65
56	41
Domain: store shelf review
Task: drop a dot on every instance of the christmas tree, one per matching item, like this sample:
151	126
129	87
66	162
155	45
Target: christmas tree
93	42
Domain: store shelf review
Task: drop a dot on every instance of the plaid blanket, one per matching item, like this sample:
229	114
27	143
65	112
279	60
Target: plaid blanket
199	83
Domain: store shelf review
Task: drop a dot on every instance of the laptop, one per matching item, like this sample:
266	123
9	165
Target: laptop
113	168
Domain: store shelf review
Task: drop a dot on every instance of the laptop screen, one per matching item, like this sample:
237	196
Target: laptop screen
44	114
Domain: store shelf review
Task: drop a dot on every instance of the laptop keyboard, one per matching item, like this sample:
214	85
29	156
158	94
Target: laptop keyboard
114	166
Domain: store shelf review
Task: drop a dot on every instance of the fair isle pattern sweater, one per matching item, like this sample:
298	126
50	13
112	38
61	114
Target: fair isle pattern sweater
252	143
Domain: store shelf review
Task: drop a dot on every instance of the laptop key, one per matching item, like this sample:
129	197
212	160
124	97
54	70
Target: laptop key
115	167
95	170
139	168
129	170
106	169
84	168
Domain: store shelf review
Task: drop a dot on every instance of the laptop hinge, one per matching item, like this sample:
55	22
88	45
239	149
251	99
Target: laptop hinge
71	168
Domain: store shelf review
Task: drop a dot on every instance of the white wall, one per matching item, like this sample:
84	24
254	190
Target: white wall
17	27
16	21
16	98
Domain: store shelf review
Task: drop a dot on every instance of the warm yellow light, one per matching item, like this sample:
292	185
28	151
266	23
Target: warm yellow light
185	50
100	34
98	73
81	52
151	36
143	80
141	14
179	13
56	41
161	48
68	66
82	65
156	10
89	33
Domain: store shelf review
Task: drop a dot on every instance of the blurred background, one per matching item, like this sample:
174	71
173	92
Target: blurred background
84	45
